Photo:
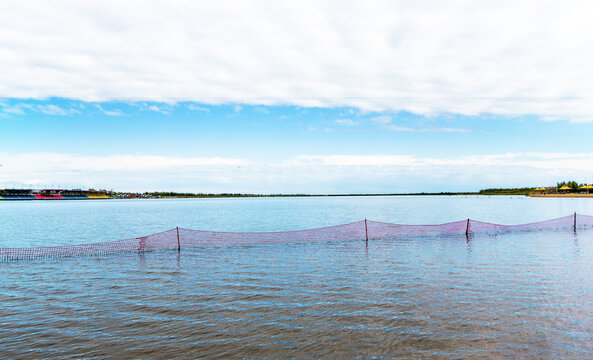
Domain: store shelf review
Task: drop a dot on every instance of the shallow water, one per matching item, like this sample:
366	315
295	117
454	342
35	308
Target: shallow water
44	223
524	295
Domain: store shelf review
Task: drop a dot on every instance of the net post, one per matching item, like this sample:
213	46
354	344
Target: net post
467	228
366	231
574	226
178	243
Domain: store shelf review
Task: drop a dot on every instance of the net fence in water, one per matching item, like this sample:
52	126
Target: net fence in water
180	238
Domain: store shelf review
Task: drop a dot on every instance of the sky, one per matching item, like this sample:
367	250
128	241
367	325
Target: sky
295	97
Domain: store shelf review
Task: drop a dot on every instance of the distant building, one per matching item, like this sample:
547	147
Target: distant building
52	194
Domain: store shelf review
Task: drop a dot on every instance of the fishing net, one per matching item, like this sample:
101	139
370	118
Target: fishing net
574	222
197	238
163	240
180	238
381	230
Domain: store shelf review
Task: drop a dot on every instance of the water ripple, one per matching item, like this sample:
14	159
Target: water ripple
513	296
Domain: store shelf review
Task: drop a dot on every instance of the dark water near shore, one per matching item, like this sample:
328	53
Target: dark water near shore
526	295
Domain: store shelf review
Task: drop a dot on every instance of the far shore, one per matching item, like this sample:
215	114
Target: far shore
562	195
28	194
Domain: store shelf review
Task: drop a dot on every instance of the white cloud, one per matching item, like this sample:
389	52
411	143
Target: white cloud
261	110
54	110
346	122
382	119
115	112
547	161
12	109
399	128
163	109
300	174
427	57
446	130
49	109
197	108
356	160
121	171
393	127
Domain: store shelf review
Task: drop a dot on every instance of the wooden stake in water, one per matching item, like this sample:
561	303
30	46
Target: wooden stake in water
366	232
467	228
574	227
178	243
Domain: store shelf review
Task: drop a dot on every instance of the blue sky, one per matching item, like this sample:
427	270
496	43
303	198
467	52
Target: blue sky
273	132
292	97
269	149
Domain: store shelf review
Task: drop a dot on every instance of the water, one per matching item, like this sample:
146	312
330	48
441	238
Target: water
526	295
45	223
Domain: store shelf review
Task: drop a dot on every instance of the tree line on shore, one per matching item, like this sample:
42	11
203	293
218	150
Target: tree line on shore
172	194
573	185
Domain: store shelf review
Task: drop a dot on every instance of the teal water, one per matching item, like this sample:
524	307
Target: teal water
522	295
45	223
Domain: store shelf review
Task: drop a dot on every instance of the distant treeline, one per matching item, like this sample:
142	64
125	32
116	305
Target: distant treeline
523	191
571	184
221	195
233	195
171	194
516	191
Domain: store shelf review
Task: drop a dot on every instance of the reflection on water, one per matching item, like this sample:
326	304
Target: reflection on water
510	296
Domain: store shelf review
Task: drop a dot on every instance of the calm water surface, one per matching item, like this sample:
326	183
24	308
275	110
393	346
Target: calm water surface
526	295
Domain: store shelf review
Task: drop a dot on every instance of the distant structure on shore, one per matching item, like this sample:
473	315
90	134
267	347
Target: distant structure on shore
51	194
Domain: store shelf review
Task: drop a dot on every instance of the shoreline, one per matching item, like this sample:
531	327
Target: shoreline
251	196
561	195
219	196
